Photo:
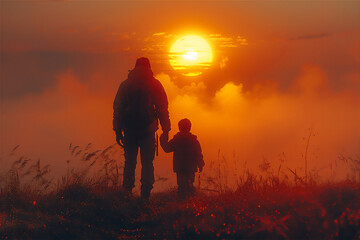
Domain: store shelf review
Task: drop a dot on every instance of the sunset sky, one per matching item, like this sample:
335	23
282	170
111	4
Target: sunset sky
280	71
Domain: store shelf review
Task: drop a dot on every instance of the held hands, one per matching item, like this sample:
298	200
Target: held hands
164	140
164	136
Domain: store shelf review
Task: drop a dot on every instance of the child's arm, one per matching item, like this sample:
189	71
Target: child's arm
167	146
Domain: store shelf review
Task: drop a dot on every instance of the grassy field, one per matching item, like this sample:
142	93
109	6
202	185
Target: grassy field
253	211
82	207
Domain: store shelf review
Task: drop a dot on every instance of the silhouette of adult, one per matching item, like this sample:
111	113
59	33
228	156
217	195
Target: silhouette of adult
139	104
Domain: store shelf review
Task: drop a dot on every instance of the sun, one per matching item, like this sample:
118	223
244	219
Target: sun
190	55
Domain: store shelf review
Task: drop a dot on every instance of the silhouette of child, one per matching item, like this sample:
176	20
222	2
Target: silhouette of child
187	158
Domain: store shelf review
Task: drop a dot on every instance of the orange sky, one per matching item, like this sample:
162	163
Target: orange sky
279	69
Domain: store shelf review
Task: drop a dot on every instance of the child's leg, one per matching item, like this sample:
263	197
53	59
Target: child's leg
182	185
190	180
186	187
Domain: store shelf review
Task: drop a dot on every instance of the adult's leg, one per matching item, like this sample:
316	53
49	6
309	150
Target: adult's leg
130	154
147	153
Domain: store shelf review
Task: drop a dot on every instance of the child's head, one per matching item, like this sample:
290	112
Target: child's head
184	125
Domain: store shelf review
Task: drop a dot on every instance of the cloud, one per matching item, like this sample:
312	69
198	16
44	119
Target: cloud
227	45
159	34
173	90
118	36
242	40
354	48
312	81
223	62
226	41
254	127
68	31
45	124
94	29
157	44
313	36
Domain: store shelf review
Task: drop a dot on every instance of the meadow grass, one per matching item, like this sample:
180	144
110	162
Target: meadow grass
90	204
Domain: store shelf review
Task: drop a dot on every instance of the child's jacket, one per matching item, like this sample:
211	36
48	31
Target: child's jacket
187	152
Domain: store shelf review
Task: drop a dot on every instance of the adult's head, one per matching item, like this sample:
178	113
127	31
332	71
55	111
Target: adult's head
142	71
184	125
142	62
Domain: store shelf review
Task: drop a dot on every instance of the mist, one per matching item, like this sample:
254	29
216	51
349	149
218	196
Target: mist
238	128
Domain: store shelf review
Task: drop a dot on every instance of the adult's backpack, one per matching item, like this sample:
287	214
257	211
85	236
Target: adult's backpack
139	108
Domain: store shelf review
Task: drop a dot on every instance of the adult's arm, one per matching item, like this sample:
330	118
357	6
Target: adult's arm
117	107
161	104
167	146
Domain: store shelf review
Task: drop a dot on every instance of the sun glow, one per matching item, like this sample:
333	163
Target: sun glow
190	55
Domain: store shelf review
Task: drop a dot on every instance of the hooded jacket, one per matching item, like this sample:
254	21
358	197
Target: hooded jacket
187	156
141	80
